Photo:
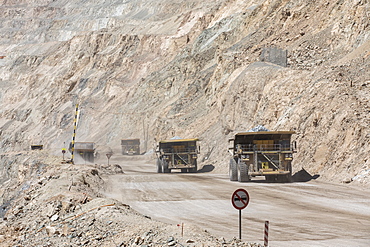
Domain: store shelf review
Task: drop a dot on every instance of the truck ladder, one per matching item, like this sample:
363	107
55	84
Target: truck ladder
270	160
182	159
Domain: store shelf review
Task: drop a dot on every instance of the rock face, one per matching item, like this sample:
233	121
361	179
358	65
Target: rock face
157	69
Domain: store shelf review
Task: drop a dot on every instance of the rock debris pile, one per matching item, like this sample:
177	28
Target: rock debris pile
61	206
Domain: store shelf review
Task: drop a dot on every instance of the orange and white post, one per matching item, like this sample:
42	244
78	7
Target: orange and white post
266	235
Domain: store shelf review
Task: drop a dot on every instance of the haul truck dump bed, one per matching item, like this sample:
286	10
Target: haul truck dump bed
263	153
177	154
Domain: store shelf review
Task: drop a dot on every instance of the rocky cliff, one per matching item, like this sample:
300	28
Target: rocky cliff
156	69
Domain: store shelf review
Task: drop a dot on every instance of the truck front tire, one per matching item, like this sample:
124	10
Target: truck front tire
165	168
195	168
159	166
242	172
233	170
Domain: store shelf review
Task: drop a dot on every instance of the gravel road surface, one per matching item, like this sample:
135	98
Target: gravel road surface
302	214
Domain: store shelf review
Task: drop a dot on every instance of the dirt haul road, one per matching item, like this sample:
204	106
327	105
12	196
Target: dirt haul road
300	214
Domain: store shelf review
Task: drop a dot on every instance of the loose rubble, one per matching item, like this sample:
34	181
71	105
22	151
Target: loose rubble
62	206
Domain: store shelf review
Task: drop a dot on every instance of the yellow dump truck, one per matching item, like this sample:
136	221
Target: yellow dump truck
130	146
177	154
262	153
37	147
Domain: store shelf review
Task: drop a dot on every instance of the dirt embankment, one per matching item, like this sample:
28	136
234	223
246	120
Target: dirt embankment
46	203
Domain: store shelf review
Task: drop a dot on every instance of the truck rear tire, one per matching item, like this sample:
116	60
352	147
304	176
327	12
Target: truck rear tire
272	178
233	170
287	178
195	168
242	172
159	166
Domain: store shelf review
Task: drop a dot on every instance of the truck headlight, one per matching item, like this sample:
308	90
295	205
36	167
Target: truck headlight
288	156
245	157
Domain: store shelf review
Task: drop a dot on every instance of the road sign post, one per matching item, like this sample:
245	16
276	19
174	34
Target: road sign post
63	152
240	200
108	156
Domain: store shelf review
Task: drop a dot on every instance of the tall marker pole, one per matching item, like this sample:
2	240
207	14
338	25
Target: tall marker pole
74	134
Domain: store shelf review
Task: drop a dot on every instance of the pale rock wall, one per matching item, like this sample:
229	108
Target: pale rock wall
156	69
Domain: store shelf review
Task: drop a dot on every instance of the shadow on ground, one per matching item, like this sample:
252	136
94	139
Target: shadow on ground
303	176
207	168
